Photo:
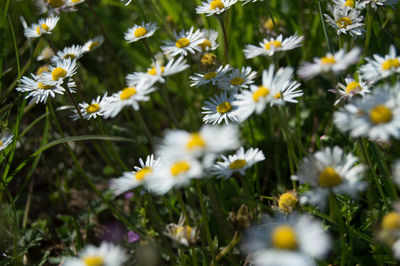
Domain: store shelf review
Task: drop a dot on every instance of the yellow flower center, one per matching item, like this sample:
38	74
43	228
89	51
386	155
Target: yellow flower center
195	141
269	24
44	87
139	32
210	75
216	4
58	73
208	59
391	221
237	164
380	114
349	3
93	108
284	237
93	261
260	93
45	27
328	60
237	81
127	93
71	56
344	22
224	107
329	178
55	3
42	69
182	42
277	95
287	202
1	143
93	45
179	167
390	63
142	173
353	87
205	44
153	71
276	44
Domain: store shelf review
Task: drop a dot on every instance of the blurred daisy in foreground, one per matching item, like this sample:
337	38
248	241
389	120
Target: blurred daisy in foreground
349	4
376	116
270	46
6	138
182	233
396	172
73	3
139	32
133	179
237	79
106	255
345	20
210	40
237	163
334	63
295	240
44	26
219	109
330	171
381	67
92	44
46	54
73	52
389	232
92	110
276	89
352	88
185	42
210	77
214	7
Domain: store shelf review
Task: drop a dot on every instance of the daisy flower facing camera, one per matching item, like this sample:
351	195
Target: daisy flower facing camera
106	255
330	171
6	138
210	77
185	42
273	45
350	89
214	7
345	20
92	110
295	240
73	52
139	32
237	79
220	109
44	26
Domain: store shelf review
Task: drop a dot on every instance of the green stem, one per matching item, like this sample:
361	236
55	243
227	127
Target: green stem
335	212
226	46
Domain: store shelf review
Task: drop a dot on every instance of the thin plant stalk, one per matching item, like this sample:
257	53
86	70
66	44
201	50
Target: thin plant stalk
226	45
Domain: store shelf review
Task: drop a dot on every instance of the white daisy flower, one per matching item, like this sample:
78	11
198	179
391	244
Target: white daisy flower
92	110
186	42
6	138
219	109
376	116
173	173
130	96
295	240
182	233
381	67
276	89
158	72
138	32
72	3
73	52
44	26
237	79
46	54
214	7
93	44
237	163
379	3
64	68
352	88
133	179
106	255
210	77
330	63
346	20
270	46
210	40
349	3
330	171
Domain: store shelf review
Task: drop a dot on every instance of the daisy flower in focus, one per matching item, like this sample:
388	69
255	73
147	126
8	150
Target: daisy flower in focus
214	7
44	26
293	240
346	20
237	163
276	89
46	54
376	116
93	44
106	255
350	89
381	67
270	46
330	171
6	138
330	63
185	42
133	179
287	202
142	31
130	96
219	109
173	173
237	79
64	68
92	110
73	52
210	40
210	77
